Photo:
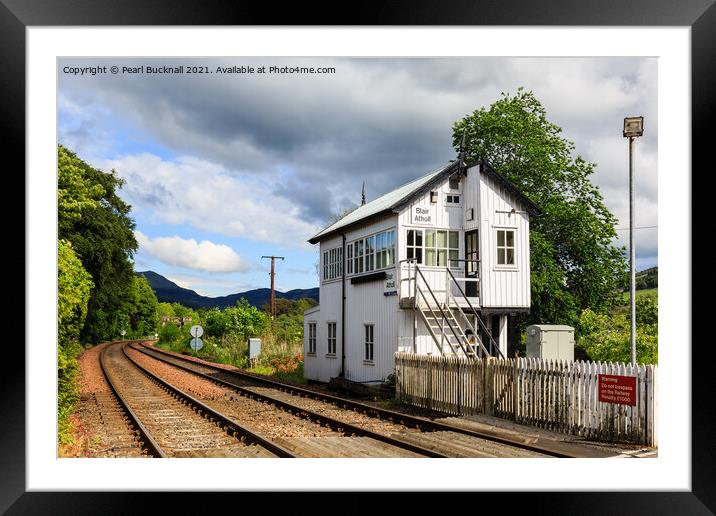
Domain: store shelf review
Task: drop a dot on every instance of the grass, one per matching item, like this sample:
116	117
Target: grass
623	308
279	359
647	292
390	403
295	376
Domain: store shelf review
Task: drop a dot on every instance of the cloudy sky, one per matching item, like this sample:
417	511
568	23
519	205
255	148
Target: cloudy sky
221	169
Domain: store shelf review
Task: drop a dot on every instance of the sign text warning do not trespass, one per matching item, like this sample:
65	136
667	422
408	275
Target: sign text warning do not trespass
617	389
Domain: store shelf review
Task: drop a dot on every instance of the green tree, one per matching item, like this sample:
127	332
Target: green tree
96	220
245	320
216	323
165	310
184	313
575	264
144	316
289	306
74	194
74	285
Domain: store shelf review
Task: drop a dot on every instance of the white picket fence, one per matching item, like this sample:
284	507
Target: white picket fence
556	395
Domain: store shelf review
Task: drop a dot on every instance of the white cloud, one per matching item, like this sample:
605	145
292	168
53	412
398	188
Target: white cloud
204	195
203	256
289	152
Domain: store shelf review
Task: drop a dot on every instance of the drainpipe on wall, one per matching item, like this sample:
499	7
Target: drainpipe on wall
343	311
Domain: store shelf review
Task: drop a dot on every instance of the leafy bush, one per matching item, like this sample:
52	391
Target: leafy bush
232	352
74	285
226	333
67	369
647	310
607	338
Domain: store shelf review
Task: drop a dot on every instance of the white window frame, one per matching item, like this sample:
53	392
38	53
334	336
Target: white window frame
385	249
332	263
450	199
505	248
372	250
312	334
334	339
349	259
368	344
358	256
369	253
436	249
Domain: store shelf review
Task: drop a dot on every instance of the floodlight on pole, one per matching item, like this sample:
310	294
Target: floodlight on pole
633	128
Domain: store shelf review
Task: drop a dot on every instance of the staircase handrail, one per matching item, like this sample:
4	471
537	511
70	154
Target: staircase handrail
467	320
459	341
479	319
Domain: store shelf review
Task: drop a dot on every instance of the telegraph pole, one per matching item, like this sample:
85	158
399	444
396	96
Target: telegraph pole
273	273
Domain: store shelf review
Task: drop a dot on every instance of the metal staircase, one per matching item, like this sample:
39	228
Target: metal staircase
445	319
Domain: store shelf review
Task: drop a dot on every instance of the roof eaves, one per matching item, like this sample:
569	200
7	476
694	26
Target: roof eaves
321	236
532	207
447	170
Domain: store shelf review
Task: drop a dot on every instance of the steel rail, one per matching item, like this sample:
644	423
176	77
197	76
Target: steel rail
229	425
335	424
420	423
144	435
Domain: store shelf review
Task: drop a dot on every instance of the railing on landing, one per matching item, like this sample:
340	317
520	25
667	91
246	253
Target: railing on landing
415	294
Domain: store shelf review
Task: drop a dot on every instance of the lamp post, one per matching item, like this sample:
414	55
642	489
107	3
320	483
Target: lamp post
633	128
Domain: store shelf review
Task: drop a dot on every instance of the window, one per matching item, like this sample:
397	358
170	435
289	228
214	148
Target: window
369	253
333	263
384	249
312	338
358	256
369	342
505	247
452	199
414	246
331	338
372	252
454	183
349	259
433	197
441	245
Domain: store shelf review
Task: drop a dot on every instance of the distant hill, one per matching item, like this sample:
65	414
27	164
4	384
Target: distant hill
169	292
648	278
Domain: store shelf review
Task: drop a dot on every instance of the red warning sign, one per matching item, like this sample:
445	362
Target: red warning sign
617	389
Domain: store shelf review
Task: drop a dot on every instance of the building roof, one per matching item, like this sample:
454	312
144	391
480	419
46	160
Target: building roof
396	199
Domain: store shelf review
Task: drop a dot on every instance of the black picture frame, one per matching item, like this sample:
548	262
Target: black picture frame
700	15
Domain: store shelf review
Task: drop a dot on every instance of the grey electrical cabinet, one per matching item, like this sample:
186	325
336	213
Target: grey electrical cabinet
254	348
550	342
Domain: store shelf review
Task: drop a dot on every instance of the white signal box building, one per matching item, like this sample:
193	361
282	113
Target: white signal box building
438	266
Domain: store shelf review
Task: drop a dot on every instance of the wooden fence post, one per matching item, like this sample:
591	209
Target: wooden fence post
514	389
489	386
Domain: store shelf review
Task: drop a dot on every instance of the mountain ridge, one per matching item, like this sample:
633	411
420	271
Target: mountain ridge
169	292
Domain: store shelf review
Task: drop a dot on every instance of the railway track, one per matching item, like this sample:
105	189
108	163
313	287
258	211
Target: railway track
172	423
303	432
117	434
427	437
